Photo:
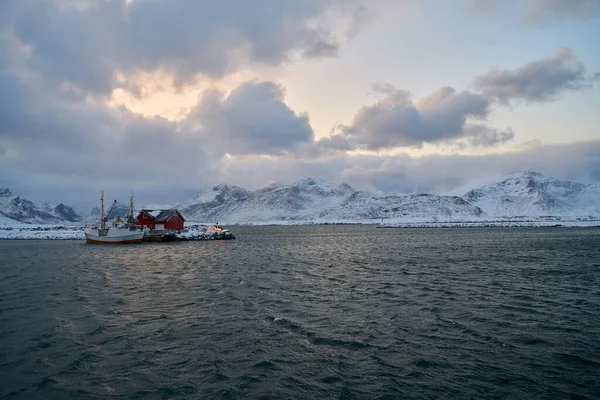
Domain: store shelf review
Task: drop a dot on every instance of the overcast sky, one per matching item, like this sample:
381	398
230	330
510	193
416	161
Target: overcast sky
169	97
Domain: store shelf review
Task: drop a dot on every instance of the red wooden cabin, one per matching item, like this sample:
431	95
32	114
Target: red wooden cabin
170	219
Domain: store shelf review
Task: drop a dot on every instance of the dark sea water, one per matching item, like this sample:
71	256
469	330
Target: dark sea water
349	312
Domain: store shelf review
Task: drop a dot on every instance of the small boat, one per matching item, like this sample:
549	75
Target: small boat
120	233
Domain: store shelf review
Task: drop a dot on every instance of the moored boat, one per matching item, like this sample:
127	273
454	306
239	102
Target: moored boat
113	235
120	233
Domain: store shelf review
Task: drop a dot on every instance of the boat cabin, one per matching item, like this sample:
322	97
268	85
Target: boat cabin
170	219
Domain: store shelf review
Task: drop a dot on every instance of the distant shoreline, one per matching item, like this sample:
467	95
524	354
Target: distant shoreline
40	232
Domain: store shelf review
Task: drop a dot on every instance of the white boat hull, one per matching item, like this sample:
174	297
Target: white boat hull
113	236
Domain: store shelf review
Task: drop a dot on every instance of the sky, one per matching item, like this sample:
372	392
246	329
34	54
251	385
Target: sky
171	97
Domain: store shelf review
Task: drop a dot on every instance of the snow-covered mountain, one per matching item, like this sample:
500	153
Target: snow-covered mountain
315	200
66	213
533	194
420	207
524	194
25	211
112	210
301	200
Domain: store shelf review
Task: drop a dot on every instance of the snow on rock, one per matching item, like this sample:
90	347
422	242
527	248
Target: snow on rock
25	231
301	200
530	196
47	206
112	210
203	235
7	222
309	201
429	207
534	194
66	213
26	211
493	224
317	201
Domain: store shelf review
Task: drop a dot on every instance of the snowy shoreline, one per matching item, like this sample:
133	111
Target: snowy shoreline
194	232
495	224
22	231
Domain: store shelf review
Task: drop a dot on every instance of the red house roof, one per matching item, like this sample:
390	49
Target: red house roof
162	215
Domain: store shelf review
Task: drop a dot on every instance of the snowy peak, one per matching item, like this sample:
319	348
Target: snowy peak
48	207
319	187
114	210
274	203
217	195
532	194
528	194
316	200
27	211
66	213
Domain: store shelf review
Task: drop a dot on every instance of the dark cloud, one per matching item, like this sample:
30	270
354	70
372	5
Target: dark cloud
396	121
87	44
55	141
252	119
536	81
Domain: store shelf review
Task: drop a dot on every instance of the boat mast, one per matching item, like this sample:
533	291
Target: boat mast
102	225
130	211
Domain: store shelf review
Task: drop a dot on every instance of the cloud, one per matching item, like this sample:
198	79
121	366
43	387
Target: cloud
537	81
86	43
252	119
437	173
68	150
483	6
478	135
441	173
50	138
538	12
449	116
56	142
395	121
59	59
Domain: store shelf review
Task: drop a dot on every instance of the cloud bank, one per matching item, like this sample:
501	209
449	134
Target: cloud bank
87	42
61	141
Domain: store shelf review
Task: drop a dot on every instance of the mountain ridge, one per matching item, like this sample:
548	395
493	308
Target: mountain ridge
314	200
26	211
310	200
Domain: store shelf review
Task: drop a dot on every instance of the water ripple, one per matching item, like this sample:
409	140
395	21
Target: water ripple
348	312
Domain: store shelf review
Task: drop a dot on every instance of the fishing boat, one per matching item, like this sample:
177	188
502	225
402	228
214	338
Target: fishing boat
121	232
